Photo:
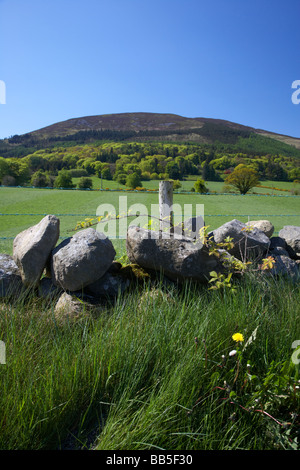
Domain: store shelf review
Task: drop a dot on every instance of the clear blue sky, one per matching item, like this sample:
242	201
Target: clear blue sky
226	59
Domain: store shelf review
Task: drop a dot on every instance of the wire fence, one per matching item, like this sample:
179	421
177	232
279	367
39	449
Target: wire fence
153	191
232	216
295	218
188	215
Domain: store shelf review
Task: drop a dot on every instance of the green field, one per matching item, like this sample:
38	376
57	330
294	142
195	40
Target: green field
22	207
267	187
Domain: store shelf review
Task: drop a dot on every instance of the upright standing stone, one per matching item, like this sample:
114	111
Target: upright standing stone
166	206
32	248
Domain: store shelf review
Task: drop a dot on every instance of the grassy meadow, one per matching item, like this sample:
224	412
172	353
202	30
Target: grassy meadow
152	370
73	206
267	187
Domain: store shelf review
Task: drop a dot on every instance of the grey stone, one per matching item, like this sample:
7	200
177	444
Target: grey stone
177	259
70	309
277	242
82	259
10	277
285	266
109	285
278	251
47	289
32	248
247	244
291	235
189	228
264	226
115	267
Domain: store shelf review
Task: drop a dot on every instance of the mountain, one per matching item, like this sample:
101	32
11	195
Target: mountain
105	138
169	126
215	135
130	122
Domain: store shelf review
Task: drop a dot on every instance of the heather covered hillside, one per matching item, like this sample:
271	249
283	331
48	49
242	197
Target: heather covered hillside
153	146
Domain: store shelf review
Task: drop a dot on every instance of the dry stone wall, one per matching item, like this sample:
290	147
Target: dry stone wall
84	266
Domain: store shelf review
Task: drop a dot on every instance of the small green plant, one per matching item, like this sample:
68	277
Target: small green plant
221	281
232	264
267	263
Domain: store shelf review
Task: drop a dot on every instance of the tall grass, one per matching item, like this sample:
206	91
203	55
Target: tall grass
134	377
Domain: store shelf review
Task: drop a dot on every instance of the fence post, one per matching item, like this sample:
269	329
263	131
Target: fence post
166	206
2	353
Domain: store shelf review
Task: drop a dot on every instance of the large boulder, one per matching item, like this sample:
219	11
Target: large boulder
82	259
177	259
291	235
10	277
248	244
32	248
264	226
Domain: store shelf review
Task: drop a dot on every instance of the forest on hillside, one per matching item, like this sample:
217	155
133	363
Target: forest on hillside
26	160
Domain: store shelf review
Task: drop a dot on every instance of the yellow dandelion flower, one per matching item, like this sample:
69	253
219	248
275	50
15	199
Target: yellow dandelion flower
238	337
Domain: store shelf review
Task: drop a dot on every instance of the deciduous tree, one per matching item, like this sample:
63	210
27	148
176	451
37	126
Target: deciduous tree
133	180
85	183
200	186
63	180
243	178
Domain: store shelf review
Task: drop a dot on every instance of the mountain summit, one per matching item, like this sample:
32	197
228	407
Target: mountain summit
168	126
132	122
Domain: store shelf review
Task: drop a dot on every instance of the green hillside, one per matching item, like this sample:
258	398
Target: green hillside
140	127
153	146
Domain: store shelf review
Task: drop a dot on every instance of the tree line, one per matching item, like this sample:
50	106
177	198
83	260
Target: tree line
146	161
